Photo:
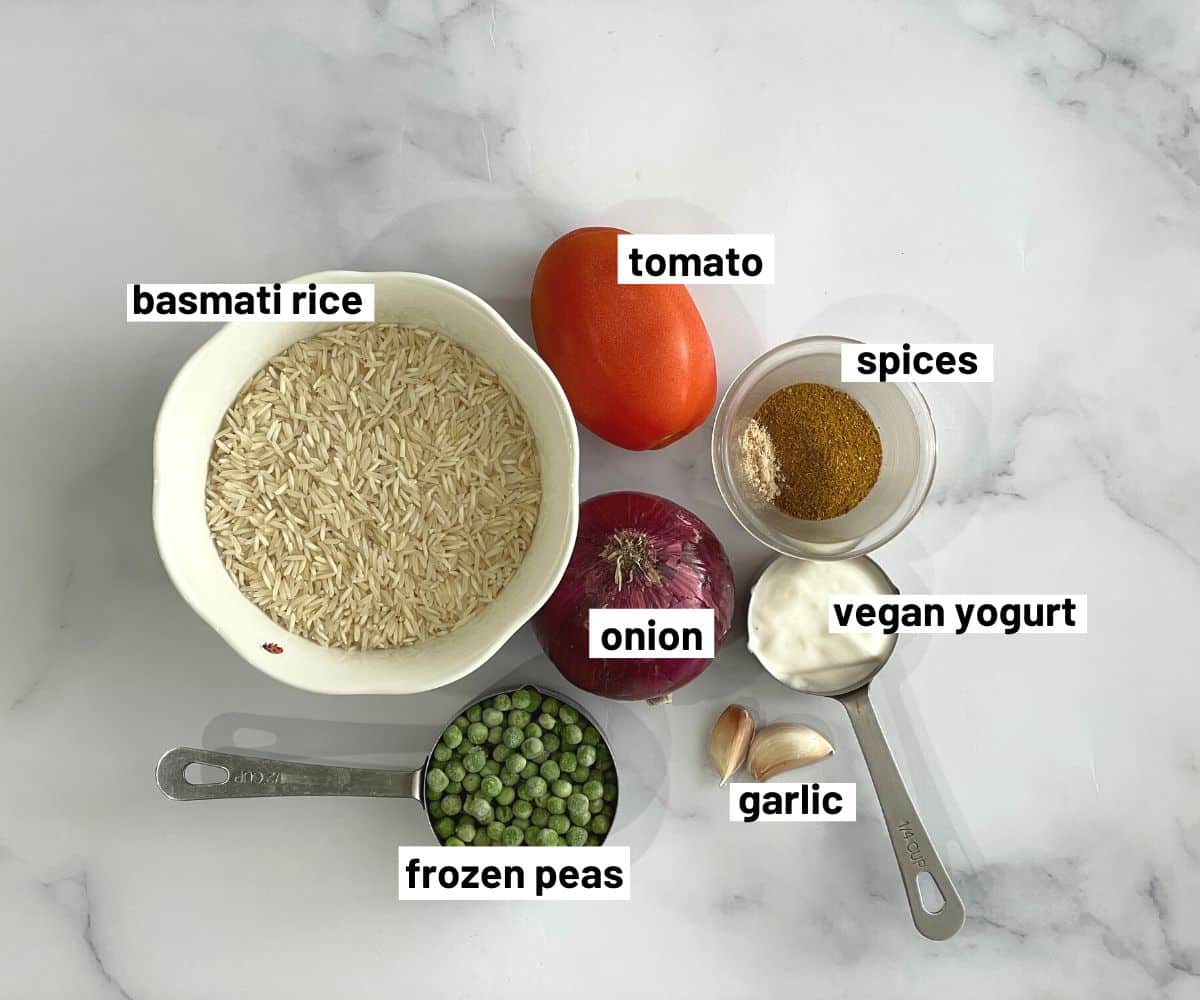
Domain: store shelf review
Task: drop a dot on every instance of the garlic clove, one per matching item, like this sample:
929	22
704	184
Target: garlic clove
784	747
730	740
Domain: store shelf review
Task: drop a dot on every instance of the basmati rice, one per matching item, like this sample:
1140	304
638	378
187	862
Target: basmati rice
373	486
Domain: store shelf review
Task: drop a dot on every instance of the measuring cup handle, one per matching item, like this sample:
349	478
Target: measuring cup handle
914	850
247	776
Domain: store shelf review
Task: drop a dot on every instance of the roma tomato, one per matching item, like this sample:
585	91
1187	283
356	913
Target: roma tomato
635	360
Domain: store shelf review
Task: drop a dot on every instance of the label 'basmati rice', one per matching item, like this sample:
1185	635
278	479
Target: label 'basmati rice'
373	486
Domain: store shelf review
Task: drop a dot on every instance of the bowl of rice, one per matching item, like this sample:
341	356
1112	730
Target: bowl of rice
367	508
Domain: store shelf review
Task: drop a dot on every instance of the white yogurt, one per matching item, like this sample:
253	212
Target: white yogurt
789	624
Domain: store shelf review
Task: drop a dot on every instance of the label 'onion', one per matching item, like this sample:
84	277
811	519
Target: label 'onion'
634	550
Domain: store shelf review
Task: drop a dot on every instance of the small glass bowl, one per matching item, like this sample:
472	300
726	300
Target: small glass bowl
906	431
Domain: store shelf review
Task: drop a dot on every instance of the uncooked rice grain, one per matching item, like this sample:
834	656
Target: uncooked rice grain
373	486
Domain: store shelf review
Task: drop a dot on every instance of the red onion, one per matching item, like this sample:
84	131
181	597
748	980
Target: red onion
634	550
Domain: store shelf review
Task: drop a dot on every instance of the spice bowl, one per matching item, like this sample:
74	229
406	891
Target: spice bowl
900	414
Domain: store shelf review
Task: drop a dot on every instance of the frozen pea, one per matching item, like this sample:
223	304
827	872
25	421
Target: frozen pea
436	780
462	722
520	824
530	770
550	742
518	718
454	842
475	759
550	705
522	809
539	817
444	828
509	778
513	737
555	806
522	699
596	805
599	825
512	836
502	702
572	735
506	795
562	788
495	734
567	715
435	809
471	783
610	791
490	767
465	830
454	770
577	802
590	736
531	836
592	789
533	729
535	786
568	761
559	824
454	788
501	753
535	699
586	755
593	840
474	714
549	770
442	753
603	756
547	838
491	786
576	836
516	763
495	830
532	747
491	717
481	809
547	721
477	733
451	805
503	813
580	775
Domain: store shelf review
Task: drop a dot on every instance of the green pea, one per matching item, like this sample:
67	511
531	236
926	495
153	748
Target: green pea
532	747
535	699
501	753
533	729
502	702
509	778
531	836
491	717
444	828
568	761
547	838
567	715
513	737
512	836
506	795
495	830
452	737
474	714
572	735
577	802
462	722
535	786
593	840
596	805
586	755
477	733
518	718
491	786
549	770
592	789
442	753
451	805
465	830
610	791
600	825
454	788
522	809
435	809
559	824
576	836
522	699
454	770
495	734
603	757
580	775
454	842
436	780
547	721
520	824
481	809
529	770
516	763
590	736
471	783
503	814
562	788
550	742
539	817
550	705
475	759
490	767
555	806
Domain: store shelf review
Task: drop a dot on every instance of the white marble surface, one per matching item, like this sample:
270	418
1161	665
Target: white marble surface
1022	173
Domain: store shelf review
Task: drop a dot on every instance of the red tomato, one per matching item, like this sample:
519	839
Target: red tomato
635	360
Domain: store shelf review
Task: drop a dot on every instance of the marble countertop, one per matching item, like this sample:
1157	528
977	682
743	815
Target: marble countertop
1023	174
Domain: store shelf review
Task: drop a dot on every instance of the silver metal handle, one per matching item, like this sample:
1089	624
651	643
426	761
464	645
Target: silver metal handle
254	777
914	851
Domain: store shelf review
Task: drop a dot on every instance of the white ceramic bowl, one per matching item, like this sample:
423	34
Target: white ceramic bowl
192	412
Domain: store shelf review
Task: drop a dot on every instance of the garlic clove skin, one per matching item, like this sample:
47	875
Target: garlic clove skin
729	741
785	747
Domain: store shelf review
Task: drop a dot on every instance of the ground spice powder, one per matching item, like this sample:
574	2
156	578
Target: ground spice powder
825	447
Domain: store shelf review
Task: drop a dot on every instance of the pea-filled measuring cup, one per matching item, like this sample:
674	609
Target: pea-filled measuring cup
253	776
937	909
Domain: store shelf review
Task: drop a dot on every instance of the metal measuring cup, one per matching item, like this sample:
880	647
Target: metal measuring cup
914	851
250	776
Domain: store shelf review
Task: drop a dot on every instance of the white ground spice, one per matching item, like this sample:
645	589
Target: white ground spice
759	464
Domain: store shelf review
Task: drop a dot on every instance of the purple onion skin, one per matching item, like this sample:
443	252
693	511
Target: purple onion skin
668	559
